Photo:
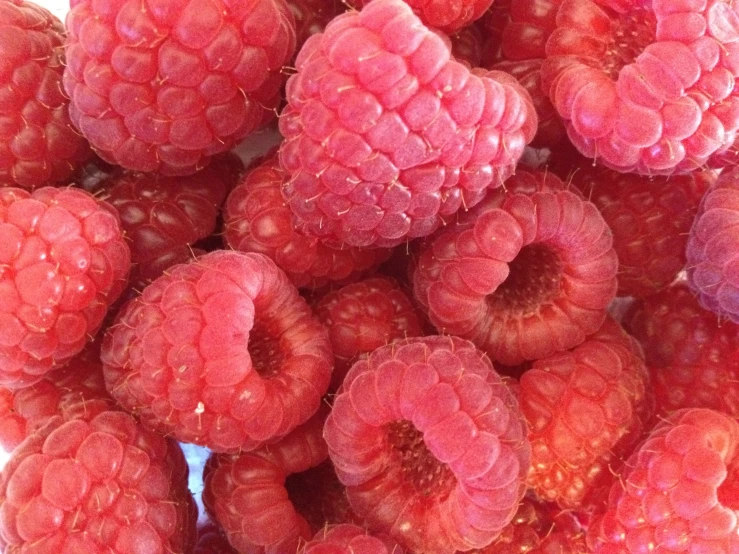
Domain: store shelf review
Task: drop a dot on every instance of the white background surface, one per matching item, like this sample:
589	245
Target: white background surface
58	7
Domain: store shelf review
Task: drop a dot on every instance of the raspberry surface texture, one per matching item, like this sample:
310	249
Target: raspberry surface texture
468	44
446	15
211	540
527	273
220	352
431	444
349	539
38	144
645	87
713	248
103	486
312	16
63	262
386	136
257	219
163	86
678	490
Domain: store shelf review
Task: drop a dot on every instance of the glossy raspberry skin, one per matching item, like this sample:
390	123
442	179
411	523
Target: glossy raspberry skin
661	101
677	490
161	86
257	219
713	248
525	274
103	486
467	45
38	144
364	316
220	352
350	539
246	492
430	443
386	136
63	262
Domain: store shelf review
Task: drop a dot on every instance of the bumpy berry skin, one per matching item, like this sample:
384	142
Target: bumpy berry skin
364	316
467	45
386	136
349	539
246	493
647	89
38	144
211	540
163	86
713	248
430	443
220	352
525	274
257	219
103	486
63	262
677	490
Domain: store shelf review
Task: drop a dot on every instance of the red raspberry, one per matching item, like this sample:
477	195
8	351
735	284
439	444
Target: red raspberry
647	88
312	16
38	144
678	490
257	219
386	136
221	352
211	540
713	248
430	443
349	539
162	85
63	261
363	316
106	485
467	45
246	493
527	273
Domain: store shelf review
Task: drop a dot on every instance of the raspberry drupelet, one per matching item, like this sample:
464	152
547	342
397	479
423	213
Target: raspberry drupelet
349	539
220	352
211	540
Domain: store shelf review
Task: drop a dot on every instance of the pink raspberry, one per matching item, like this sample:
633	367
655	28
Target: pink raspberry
527	273
430	443
713	248
386	136
349	539
364	316
104	485
645	88
221	352
63	262
257	219
678	490
163	86
211	540
38	144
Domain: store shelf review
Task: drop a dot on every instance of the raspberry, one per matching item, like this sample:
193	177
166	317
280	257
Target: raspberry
713	248
211	540
312	16
38	144
63	261
678	490
246	493
349	539
467	45
106	485
430	443
162	86
257	219
386	136
221	352
527	273
647	88
364	316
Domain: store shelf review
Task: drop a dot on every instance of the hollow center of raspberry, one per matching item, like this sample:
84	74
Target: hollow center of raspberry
318	496
265	352
631	33
534	279
420	468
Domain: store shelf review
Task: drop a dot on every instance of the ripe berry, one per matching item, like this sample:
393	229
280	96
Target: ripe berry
350	539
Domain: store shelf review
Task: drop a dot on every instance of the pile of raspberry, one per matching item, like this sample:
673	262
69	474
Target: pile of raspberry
411	276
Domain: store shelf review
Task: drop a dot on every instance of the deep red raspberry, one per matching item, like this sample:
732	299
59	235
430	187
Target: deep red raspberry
103	486
527	273
257	219
467	45
312	16
713	248
38	144
647	88
63	261
246	493
678	490
386	136
430	443
220	352
162	85
211	540
364	316
350	539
